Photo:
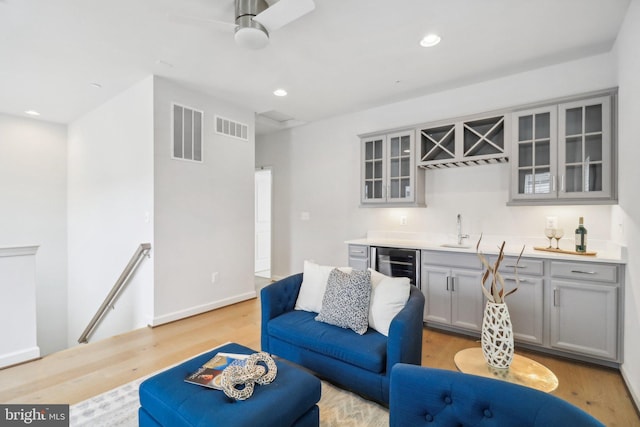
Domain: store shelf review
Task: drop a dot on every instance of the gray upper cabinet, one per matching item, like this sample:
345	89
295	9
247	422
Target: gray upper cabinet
584	149
564	153
389	174
471	141
534	160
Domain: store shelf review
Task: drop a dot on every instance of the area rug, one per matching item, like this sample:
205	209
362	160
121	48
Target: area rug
119	407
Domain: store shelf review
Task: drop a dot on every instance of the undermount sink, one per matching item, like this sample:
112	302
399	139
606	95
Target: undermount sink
455	245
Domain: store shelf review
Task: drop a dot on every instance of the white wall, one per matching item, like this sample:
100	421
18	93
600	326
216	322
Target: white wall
628	212
204	212
110	206
33	159
316	169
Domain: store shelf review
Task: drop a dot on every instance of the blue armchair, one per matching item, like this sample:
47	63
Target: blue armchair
361	363
433	397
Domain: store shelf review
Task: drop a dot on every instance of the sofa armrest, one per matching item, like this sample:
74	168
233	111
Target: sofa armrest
275	299
421	396
404	343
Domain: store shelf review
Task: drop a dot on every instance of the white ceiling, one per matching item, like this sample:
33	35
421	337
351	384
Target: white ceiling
346	55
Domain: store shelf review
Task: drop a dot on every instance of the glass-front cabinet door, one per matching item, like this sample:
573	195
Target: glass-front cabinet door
584	155
534	154
389	169
563	153
400	167
373	181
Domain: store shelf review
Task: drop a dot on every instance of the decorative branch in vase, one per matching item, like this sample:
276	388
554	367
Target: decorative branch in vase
497	331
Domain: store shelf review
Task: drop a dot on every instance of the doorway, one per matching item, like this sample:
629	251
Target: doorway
263	222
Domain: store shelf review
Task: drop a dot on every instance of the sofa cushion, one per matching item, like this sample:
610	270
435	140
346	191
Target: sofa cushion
389	295
367	351
314	283
346	300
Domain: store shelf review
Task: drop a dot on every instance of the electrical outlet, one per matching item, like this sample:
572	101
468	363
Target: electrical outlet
403	220
214	277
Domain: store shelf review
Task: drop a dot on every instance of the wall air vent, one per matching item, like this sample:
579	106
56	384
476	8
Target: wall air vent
187	133
230	128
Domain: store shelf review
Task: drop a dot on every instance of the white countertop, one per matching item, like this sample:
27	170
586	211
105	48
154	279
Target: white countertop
606	251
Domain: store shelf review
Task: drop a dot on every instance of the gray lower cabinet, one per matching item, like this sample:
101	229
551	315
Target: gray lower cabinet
359	257
584	309
571	308
526	305
452	294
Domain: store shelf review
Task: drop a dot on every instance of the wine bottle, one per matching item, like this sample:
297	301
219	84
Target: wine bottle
581	237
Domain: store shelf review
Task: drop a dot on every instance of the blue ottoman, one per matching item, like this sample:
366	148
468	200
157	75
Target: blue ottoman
166	400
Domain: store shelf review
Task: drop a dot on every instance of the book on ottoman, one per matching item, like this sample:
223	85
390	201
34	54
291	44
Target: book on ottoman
209	374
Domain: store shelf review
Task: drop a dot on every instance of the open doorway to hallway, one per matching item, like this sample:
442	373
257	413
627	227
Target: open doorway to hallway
263	223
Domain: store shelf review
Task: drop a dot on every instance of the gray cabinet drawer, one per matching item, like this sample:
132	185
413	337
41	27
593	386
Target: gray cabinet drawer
451	259
585	271
534	267
358	251
359	257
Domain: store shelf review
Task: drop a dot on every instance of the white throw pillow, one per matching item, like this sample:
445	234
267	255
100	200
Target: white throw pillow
314	284
389	295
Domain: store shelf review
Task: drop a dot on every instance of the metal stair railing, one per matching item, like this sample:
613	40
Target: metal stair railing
143	250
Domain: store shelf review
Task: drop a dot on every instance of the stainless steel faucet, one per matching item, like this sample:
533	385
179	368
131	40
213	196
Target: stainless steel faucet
460	235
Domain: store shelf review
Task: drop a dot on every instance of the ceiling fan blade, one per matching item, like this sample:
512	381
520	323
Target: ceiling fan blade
283	12
209	23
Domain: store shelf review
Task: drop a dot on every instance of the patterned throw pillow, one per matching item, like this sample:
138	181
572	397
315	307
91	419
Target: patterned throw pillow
346	300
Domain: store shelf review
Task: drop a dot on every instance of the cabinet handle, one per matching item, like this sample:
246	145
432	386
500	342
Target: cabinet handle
453	284
366	190
448	282
515	266
553	183
556	298
583	272
562	183
513	280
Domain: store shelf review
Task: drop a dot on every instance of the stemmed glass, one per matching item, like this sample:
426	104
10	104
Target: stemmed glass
550	233
558	235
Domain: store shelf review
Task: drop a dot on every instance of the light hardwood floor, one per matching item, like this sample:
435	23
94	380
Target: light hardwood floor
89	369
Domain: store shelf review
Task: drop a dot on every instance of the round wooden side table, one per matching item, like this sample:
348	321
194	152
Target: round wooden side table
523	370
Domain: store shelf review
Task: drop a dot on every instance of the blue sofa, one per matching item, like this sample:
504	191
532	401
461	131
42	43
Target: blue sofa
361	363
433	397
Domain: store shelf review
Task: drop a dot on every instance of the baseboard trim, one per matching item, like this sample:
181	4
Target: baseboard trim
192	311
635	394
19	356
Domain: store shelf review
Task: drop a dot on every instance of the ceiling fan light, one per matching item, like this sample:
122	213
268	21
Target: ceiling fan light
251	38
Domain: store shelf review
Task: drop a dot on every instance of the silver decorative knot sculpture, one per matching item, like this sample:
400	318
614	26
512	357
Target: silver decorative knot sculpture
238	382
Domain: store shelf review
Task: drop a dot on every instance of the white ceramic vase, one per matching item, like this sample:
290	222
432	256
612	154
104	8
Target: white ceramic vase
497	335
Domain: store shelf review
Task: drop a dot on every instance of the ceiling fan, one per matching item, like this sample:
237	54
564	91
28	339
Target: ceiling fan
255	19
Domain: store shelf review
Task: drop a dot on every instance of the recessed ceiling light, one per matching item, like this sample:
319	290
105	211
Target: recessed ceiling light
430	40
32	113
96	85
280	92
